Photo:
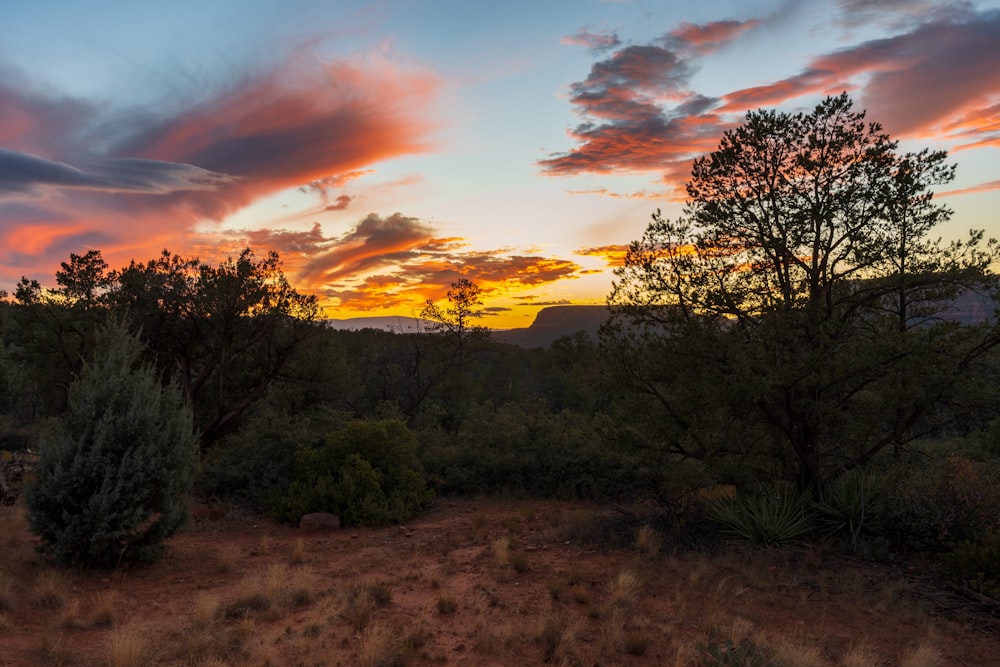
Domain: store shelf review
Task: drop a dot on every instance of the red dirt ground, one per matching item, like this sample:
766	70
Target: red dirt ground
385	596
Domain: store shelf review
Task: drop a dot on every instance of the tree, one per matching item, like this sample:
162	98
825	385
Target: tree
794	305
112	486
464	306
226	332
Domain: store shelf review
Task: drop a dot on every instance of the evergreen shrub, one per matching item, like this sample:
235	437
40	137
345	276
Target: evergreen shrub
113	483
367	473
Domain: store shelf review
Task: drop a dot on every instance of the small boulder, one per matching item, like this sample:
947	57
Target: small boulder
319	521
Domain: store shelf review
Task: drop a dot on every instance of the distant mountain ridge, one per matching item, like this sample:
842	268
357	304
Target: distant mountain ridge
554	322
550	323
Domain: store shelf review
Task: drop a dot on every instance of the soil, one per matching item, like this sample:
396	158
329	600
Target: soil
473	582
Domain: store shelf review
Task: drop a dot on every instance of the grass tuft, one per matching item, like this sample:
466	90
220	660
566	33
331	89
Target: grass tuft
131	646
648	541
49	591
381	645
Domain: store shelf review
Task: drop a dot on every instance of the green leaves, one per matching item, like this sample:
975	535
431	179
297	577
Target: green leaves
773	516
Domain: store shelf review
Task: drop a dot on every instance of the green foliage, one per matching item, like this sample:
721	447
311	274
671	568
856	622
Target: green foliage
521	447
367	473
848	507
788	322
254	465
772	516
976	564
932	505
113	485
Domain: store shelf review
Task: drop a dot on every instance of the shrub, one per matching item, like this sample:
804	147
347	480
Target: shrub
977	564
113	485
367	473
770	516
934	505
848	509
254	465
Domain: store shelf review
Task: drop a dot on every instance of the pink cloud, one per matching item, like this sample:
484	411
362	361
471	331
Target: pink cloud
938	78
311	123
707	37
989	186
917	83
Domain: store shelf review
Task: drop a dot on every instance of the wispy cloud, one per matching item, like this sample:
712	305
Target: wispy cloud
28	175
981	187
595	41
919	83
127	180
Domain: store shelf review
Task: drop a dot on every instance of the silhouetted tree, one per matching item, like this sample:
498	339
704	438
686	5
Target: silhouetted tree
789	312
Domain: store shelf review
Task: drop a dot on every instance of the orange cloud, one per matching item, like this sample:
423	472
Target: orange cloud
308	123
396	262
641	194
613	255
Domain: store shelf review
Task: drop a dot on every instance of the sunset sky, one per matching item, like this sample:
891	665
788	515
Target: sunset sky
386	149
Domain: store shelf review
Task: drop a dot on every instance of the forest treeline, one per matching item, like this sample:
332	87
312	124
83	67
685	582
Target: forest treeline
776	360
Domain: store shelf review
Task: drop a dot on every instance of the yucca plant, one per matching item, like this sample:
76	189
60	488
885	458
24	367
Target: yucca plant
847	506
771	516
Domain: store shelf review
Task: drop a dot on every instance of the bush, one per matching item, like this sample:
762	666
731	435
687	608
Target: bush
934	505
367	473
255	465
523	448
113	484
977	564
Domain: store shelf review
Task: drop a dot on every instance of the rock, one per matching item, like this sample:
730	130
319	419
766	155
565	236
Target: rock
319	521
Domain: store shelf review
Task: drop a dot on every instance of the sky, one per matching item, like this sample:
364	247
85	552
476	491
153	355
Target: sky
387	149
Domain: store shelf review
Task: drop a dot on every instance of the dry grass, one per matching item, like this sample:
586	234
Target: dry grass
623	590
131	645
50	589
381	645
297	554
206	610
275	591
861	654
226	556
787	652
560	639
501	551
648	541
361	601
447	605
924	655
71	615
400	600
106	609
